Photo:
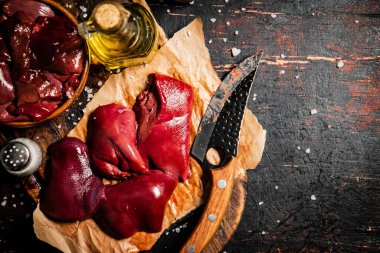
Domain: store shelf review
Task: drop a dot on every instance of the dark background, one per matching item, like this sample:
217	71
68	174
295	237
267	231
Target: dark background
342	169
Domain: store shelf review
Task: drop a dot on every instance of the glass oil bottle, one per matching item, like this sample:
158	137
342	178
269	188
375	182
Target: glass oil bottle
120	34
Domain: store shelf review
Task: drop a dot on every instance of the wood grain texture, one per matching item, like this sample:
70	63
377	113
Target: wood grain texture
232	216
342	168
215	208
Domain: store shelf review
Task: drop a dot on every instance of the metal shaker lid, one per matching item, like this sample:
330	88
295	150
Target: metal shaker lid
21	157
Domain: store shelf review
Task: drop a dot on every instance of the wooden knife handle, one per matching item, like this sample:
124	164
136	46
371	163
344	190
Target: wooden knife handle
216	206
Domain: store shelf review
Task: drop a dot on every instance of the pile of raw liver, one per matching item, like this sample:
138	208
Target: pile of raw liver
41	58
149	152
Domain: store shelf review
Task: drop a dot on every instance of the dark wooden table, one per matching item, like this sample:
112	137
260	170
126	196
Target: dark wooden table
318	185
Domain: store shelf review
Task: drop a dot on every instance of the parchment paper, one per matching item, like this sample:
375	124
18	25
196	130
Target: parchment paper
185	57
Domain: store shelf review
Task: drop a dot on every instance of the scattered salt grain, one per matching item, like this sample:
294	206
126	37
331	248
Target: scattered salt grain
228	23
273	15
226	1
14	205
80	103
278	221
312	197
224	39
75	123
297	76
219	11
263	232
118	70
68	94
210	41
307	151
243	9
213	20
236	33
3	203
282	56
167	233
276	187
13	196
189	33
298	147
59	126
340	64
356	21
84	15
78	118
178	230
168	10
84	9
72	115
282	72
313	111
5	197
260	203
192	2
235	51
21	203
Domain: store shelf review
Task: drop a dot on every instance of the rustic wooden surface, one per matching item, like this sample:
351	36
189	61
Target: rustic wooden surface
325	200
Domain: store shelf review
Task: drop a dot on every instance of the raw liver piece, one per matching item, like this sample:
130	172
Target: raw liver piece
137	204
6	116
6	86
112	142
19	29
37	111
57	46
35	86
31	8
164	125
71	192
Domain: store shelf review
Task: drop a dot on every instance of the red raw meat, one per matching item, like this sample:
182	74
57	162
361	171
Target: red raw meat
6	116
163	113
112	142
19	29
38	111
31	8
138	204
6	86
71	192
36	86
56	46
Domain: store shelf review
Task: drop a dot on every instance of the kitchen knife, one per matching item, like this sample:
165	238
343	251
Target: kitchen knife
216	145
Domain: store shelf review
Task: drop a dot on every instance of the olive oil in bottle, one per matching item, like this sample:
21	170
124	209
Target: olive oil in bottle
120	34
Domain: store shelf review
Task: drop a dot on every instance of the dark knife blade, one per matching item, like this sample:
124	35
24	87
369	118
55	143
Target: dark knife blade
220	125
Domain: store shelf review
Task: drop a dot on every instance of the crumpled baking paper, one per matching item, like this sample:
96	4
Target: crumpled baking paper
185	57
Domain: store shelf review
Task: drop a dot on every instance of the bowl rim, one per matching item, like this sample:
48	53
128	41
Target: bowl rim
83	77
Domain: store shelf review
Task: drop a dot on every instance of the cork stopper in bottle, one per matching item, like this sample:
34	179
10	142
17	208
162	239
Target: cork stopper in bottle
108	16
